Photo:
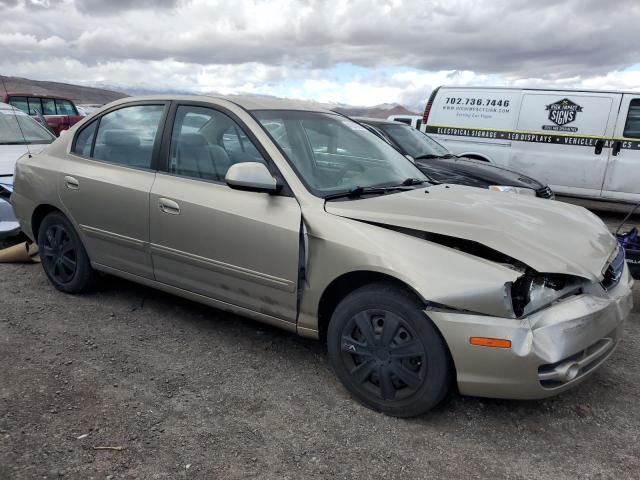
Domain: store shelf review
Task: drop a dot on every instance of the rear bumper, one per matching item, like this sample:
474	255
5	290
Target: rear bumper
551	350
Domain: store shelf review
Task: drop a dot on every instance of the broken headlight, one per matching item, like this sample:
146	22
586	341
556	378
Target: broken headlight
532	291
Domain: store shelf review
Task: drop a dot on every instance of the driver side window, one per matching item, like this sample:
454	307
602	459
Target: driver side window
205	143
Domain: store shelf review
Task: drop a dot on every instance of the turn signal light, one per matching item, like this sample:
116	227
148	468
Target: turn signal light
490	342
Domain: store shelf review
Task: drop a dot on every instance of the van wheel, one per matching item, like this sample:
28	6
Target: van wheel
387	352
63	256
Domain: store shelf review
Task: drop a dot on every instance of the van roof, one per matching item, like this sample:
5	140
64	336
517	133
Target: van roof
573	90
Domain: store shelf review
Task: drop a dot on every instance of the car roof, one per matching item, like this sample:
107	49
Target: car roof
378	121
248	102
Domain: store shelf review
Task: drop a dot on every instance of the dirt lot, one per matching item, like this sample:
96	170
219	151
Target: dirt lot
191	392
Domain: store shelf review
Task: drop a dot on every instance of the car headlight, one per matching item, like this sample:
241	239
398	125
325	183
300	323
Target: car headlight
532	292
508	189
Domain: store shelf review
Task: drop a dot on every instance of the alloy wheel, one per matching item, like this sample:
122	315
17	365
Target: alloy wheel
59	254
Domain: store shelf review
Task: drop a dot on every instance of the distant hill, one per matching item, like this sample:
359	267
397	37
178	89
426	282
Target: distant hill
77	93
91	95
378	111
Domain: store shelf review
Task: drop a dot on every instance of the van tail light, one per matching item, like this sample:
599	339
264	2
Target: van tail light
427	108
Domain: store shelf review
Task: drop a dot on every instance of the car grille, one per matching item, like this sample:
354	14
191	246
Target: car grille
613	273
545	192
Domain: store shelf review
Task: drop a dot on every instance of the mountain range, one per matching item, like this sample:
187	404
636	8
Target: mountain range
81	94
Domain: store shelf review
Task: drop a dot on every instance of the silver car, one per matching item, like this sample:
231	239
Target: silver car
305	220
19	134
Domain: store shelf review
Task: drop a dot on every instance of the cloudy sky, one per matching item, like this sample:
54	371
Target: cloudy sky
359	52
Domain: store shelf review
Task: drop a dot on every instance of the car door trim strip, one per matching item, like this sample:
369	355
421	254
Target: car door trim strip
224	268
115	237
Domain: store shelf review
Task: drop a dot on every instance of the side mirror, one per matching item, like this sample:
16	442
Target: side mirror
252	176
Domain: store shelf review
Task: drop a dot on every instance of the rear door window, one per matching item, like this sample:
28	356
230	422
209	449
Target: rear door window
126	136
632	125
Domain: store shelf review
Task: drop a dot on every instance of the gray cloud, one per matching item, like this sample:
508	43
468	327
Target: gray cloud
545	39
114	7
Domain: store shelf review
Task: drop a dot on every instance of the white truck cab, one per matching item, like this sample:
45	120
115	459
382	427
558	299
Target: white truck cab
582	143
413	120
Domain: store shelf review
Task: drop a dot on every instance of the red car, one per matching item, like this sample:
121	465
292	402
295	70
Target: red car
59	113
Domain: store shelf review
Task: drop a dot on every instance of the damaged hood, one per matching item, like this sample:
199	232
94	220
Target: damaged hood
547	236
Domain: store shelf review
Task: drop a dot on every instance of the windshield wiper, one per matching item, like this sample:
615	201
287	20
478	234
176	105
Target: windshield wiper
412	181
431	155
358	191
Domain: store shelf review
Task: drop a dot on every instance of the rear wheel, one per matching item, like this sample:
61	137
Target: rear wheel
63	256
387	353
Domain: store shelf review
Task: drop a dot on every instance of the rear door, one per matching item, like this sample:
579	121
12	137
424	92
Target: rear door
561	139
622	179
105	183
237	247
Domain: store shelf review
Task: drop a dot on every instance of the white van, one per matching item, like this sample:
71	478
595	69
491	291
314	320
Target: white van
582	143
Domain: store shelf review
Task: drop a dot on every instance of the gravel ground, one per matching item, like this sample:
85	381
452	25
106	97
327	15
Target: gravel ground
186	391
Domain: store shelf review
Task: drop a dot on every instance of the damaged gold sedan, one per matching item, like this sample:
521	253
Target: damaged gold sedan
303	219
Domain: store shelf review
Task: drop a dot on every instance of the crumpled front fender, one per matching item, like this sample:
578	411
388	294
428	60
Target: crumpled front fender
438	274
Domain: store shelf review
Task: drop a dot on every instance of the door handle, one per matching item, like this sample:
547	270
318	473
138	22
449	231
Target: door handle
168	206
71	183
599	146
617	146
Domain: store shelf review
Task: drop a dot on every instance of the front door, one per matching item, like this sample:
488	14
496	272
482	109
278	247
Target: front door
622	180
234	246
105	184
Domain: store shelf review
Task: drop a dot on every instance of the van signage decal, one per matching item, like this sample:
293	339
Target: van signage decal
562	112
532	137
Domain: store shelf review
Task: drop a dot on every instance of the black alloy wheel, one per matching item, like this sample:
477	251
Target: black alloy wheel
64	259
58	255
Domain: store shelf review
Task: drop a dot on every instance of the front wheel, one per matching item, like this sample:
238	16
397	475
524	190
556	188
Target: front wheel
387	352
63	256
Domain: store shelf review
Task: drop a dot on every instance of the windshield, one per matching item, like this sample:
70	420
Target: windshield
333	154
414	142
17	128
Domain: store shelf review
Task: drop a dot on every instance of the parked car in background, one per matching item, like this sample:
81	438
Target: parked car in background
302	218
439	164
584	143
86	109
413	120
19	134
59	113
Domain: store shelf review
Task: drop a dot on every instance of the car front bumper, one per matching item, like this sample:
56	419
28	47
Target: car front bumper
551	350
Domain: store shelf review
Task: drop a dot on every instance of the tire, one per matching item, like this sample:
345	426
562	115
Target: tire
387	352
63	257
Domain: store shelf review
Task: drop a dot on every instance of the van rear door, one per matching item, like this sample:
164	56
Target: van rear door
622	179
561	139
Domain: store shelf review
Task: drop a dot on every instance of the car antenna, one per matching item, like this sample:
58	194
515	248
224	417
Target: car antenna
15	114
